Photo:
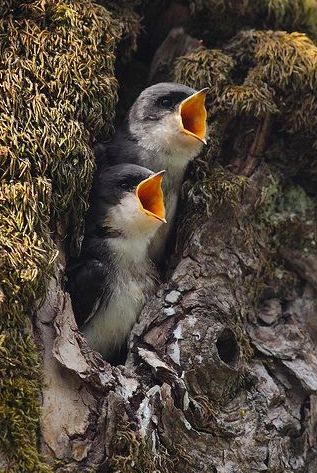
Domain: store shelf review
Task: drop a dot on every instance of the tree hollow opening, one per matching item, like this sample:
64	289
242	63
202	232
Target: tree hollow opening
228	348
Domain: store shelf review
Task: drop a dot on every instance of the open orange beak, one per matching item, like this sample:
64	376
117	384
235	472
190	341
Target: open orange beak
150	195
193	115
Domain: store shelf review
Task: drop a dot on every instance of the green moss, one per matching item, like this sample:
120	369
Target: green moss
288	212
216	187
58	92
279	66
286	60
284	219
204	68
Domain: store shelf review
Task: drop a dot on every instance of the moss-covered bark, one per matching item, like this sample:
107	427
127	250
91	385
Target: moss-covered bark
222	372
58	92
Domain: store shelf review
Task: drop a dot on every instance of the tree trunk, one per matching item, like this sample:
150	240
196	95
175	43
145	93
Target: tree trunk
193	393
221	370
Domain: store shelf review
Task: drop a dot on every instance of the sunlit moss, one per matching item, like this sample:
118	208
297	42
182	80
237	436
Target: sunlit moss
204	68
280	66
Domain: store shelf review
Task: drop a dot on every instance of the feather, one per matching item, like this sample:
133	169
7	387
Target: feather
88	285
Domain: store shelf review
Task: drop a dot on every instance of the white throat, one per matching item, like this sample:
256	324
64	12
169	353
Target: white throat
136	228
166	139
129	250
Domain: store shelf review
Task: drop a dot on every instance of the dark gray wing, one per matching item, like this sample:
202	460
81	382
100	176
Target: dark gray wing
124	148
88	283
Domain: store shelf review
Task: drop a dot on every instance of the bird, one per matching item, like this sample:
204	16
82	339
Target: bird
164	129
113	276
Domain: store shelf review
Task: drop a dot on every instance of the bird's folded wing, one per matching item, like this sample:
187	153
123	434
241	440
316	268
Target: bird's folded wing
124	148
88	284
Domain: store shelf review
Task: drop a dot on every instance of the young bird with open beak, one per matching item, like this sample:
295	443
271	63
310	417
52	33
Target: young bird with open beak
113	276
165	129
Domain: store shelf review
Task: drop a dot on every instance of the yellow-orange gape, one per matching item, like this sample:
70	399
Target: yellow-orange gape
150	195
193	115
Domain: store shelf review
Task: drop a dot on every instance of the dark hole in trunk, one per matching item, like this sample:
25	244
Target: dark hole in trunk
228	348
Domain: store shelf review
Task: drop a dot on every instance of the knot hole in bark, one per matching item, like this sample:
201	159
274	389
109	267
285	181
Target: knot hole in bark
228	348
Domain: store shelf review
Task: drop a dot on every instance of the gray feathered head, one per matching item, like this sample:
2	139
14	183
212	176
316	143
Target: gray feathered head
166	113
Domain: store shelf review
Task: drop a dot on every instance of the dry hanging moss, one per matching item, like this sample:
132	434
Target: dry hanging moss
58	92
133	455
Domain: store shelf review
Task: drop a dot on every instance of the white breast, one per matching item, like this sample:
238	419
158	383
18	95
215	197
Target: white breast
134	282
110	326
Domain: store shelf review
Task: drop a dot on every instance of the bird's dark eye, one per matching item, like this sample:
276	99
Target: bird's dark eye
124	185
166	102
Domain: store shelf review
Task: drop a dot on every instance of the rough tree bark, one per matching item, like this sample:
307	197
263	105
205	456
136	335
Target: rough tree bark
192	395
